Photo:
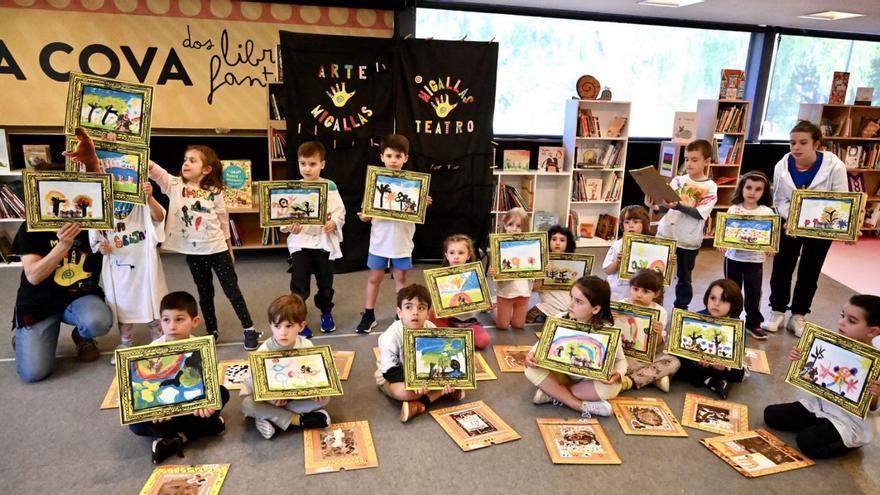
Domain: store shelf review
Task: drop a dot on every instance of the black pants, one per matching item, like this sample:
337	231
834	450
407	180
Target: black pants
190	425
812	254
816	437
685	259
749	276
696	375
200	265
303	264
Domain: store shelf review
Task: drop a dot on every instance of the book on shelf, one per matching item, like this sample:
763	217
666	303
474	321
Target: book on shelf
586	189
543	220
838	88
599	155
5	163
606	227
35	154
279	67
872	216
516	160
511	198
617	125
854	156
684	129
573	223
869	127
727	179
271	236
612	193
856	182
864	95
730	119
234	234
279	145
733	84
828	127
587	230
12	200
550	158
238	192
863	156
276	108
588	124
730	150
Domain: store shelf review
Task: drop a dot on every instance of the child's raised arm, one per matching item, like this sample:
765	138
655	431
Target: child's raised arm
160	175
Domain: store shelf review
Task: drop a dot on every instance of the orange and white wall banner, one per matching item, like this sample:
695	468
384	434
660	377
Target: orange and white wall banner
208	60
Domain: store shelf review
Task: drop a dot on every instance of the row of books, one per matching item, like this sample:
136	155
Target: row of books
11	202
234	233
600	156
276	108
588	123
730	119
605	226
271	236
856	156
512	198
615	188
729	151
586	188
279	145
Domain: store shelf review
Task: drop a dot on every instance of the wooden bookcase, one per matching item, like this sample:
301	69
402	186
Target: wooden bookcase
845	123
542	191
9	226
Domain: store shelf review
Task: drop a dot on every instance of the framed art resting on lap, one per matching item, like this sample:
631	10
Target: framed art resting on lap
300	373
636	332
103	106
576	348
436	357
53	198
706	338
826	214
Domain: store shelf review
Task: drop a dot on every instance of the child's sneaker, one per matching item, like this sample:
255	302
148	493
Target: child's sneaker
410	409
540	397
215	334
315	419
718	387
775	322
122	345
626	383
590	408
327	323
306	332
265	427
368	321
251	339
758	334
663	384
796	324
164	447
535	316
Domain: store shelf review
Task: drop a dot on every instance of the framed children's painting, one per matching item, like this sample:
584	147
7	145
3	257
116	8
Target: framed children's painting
511	358
396	194
706	338
53	198
339	447
233	373
127	165
756	453
563	270
715	416
103	106
639	340
300	373
835	368
646	252
436	357
576	348
283	202
748	232
825	214
170	379
202	479
458	289
343	360
647	416
519	256
577	441
474	425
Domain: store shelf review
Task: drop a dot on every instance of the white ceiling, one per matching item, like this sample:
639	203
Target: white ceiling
782	13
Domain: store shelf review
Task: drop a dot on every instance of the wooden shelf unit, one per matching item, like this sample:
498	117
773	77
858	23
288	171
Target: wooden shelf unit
9	226
709	127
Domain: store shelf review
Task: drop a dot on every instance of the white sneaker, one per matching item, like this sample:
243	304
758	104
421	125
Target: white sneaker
265	427
796	324
590	408
122	345
775	322
663	384
540	397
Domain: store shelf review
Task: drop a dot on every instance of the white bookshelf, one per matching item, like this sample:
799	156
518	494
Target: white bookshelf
9	226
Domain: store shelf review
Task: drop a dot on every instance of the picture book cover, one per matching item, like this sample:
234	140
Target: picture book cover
550	158
684	129
35	154
237	179
516	160
733	84
864	96
838	88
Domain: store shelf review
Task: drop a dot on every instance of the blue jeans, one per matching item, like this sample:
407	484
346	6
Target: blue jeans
35	345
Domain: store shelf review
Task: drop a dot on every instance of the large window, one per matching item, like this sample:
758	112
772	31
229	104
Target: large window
660	69
802	73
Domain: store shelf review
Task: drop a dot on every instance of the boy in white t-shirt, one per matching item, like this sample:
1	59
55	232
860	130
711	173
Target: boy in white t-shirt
390	240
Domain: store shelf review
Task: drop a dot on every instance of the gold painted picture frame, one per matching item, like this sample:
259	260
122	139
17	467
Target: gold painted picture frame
687	338
53	198
715	416
511	358
111	397
233	373
149	375
301	373
386	188
563	270
339	447
518	256
576	348
833	215
748	232
835	368
756	453
646	416
482	369
635	322
474	426
283	202
577	441
103	106
127	164
432	357
646	252
344	361
170	478
458	289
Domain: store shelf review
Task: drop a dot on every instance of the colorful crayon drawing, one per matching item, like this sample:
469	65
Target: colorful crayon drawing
296	372
293	203
708	338
836	369
397	194
520	256
565	271
165	380
111	110
634	329
460	288
440	357
651	256
339	443
578	349
67	199
758	232
123	167
825	214
472	423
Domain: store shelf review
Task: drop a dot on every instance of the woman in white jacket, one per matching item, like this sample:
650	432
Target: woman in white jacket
804	167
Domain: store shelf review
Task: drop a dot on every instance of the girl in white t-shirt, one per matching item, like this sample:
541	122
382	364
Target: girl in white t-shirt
198	226
512	295
553	302
635	221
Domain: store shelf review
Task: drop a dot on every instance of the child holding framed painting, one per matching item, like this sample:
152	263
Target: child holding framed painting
803	167
413	303
512	296
635	221
553	302
590	303
287	317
